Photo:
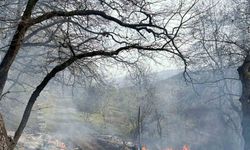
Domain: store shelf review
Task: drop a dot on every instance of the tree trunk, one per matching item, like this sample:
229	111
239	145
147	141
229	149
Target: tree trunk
4	69
244	74
5	141
15	43
139	126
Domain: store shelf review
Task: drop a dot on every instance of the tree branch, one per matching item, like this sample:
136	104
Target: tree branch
102	14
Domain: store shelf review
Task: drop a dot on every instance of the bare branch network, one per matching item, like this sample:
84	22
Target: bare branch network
74	34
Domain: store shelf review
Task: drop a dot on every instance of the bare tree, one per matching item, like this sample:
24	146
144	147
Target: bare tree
80	34
222	39
147	110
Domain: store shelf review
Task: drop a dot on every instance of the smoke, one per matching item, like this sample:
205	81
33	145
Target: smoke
173	114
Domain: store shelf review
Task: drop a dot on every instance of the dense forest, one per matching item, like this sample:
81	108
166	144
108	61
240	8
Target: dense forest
125	74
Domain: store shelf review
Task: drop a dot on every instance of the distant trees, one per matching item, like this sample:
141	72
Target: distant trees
81	36
221	42
89	100
148	117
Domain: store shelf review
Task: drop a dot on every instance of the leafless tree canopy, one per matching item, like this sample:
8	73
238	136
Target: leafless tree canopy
84	35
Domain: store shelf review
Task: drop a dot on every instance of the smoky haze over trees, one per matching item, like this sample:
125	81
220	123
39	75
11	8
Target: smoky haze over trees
78	43
82	35
222	42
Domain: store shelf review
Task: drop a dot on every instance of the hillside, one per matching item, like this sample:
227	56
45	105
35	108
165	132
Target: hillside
169	104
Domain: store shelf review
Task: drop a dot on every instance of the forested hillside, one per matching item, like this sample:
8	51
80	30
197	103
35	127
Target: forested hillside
125	74
173	113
